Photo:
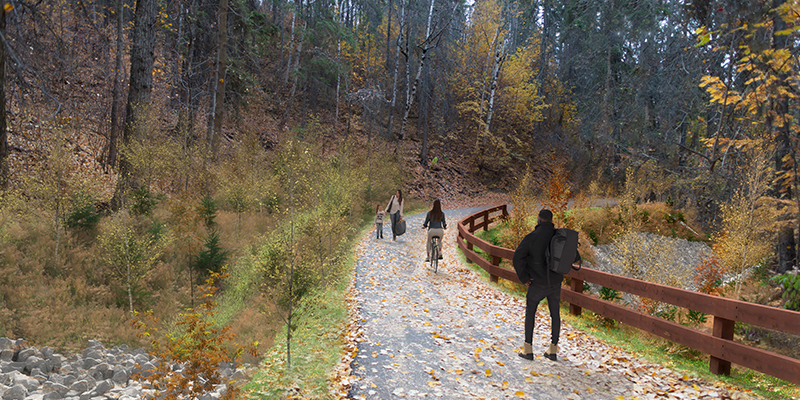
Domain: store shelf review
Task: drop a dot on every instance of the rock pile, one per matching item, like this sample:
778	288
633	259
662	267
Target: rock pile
97	373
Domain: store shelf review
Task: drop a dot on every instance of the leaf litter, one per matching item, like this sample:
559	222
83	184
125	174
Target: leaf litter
391	350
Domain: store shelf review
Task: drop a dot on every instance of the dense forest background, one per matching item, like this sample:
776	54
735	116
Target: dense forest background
156	112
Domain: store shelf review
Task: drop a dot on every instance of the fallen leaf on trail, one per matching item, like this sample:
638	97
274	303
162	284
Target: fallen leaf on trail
488	372
459	371
520	393
505	385
501	363
534	373
373	385
480	364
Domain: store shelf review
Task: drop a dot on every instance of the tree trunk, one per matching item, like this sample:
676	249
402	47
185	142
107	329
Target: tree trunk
111	159
423	123
787	247
397	67
425	47
139	87
130	292
389	34
338	82
291	50
218	98
486	70
498	63
543	45
4	170
190	82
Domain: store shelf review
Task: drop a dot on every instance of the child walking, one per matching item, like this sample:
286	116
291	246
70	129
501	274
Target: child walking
379	214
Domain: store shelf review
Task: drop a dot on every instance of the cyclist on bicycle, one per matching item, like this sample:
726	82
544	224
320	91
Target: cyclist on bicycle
436	225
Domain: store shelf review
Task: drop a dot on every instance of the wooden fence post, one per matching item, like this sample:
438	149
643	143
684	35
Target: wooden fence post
723	328
485	220
496	263
576	285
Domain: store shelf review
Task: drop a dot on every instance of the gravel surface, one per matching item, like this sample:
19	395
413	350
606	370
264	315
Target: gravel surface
451	335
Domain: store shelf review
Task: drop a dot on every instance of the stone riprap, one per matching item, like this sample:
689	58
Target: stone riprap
97	373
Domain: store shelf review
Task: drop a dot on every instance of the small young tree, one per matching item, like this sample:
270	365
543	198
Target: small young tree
289	277
525	208
130	254
52	184
186	225
241	176
742	241
199	345
557	194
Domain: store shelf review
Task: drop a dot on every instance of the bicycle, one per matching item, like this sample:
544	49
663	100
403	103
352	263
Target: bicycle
435	253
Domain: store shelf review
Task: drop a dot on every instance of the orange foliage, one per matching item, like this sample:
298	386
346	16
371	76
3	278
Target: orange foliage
708	273
201	348
558	195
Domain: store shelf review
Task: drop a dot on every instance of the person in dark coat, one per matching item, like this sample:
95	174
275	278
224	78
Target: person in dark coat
531	268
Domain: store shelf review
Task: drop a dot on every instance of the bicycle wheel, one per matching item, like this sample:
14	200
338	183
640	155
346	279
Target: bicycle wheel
435	255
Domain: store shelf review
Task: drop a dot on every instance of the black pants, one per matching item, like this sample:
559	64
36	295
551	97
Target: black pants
395	220
536	293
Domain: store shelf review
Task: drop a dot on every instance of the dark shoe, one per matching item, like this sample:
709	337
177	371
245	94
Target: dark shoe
527	352
550	353
440	256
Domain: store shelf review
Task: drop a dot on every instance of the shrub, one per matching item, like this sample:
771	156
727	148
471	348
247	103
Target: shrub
609	294
791	290
143	201
199	345
208	211
213	257
83	214
696	317
708	274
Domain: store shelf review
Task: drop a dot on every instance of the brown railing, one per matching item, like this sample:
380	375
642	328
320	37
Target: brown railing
719	345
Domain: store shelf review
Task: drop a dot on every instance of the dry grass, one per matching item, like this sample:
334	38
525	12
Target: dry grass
67	304
603	225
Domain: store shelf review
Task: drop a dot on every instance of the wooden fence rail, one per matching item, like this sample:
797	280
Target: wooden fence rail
726	312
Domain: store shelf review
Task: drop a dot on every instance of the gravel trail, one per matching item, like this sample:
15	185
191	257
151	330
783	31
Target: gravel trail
451	335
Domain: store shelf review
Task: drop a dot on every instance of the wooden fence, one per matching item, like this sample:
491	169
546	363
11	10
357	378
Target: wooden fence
719	345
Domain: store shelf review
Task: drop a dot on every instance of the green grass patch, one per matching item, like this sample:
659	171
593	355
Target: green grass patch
316	344
679	358
656	350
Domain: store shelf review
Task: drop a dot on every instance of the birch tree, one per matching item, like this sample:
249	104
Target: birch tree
427	44
499	57
393	103
218	84
130	254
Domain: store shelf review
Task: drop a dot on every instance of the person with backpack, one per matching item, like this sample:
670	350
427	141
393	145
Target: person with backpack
531	265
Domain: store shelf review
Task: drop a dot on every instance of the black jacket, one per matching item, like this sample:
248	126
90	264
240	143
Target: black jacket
529	260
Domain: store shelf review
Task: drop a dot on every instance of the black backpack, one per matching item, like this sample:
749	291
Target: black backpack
563	251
